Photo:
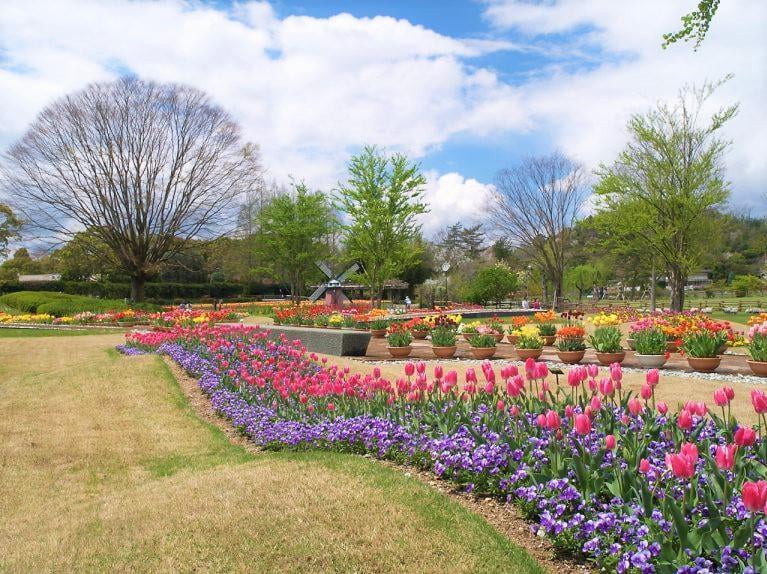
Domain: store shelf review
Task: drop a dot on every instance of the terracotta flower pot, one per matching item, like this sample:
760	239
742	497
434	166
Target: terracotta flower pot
420	334
759	368
651	361
400	352
549	340
570	357
444	352
608	359
631	344
483	352
704	364
524	354
378	333
512	338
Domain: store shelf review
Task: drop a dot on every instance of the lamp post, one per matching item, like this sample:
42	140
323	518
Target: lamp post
445	269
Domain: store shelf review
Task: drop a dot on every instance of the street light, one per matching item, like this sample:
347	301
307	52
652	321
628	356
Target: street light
445	269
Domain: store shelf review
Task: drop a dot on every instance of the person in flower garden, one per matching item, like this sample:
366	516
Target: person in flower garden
620	479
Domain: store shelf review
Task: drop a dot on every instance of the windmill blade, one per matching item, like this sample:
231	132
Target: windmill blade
345	274
317	292
325	268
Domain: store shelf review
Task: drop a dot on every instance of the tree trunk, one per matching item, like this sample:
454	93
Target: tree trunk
653	282
137	288
676	280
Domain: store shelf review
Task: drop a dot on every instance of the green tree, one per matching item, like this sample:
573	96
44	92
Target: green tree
492	283
745	284
664	186
9	228
381	199
583	278
695	24
292	237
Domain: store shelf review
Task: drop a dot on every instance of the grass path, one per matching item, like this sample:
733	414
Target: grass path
104	465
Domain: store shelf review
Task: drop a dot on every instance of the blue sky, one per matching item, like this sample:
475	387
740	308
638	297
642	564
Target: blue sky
466	87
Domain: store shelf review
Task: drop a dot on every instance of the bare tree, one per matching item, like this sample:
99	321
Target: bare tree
145	167
535	206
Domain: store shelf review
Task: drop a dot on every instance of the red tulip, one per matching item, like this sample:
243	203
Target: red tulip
755	495
644	466
409	369
725	456
610	442
745	436
582	424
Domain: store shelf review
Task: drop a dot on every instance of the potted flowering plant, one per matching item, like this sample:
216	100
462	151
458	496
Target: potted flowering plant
757	348
517	323
607	344
548	332
399	339
419	328
470	329
651	348
497	329
575	332
571	350
529	346
482	345
378	328
443	342
702	350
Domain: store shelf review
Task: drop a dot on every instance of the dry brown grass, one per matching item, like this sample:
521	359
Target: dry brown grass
104	466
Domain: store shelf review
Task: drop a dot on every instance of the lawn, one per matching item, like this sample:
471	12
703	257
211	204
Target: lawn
105	466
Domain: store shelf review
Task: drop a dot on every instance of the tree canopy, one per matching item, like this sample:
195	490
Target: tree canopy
663	186
381	199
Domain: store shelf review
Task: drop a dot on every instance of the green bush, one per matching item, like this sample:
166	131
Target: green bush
492	284
63	304
29	302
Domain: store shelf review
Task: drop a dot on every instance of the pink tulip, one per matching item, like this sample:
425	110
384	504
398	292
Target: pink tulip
644	466
685	420
755	495
635	407
553	422
759	400
541	371
409	369
377	372
451	378
438	372
582	424
610	442
652	377
616	373
724	456
606	387
720	398
569	412
420	366
500	405
572	378
514	411
596	404
646	392
541	420
745	436
730	392
682	464
592	370
471	376
662	407
331	407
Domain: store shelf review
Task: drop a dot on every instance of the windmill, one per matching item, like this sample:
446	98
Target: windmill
332	288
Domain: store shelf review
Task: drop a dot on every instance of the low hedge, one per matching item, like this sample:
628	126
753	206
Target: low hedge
63	304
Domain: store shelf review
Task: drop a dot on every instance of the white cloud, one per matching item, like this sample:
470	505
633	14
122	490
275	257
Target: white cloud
311	90
585	111
453	198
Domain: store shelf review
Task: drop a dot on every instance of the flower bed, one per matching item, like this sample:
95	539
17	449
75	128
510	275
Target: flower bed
617	478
